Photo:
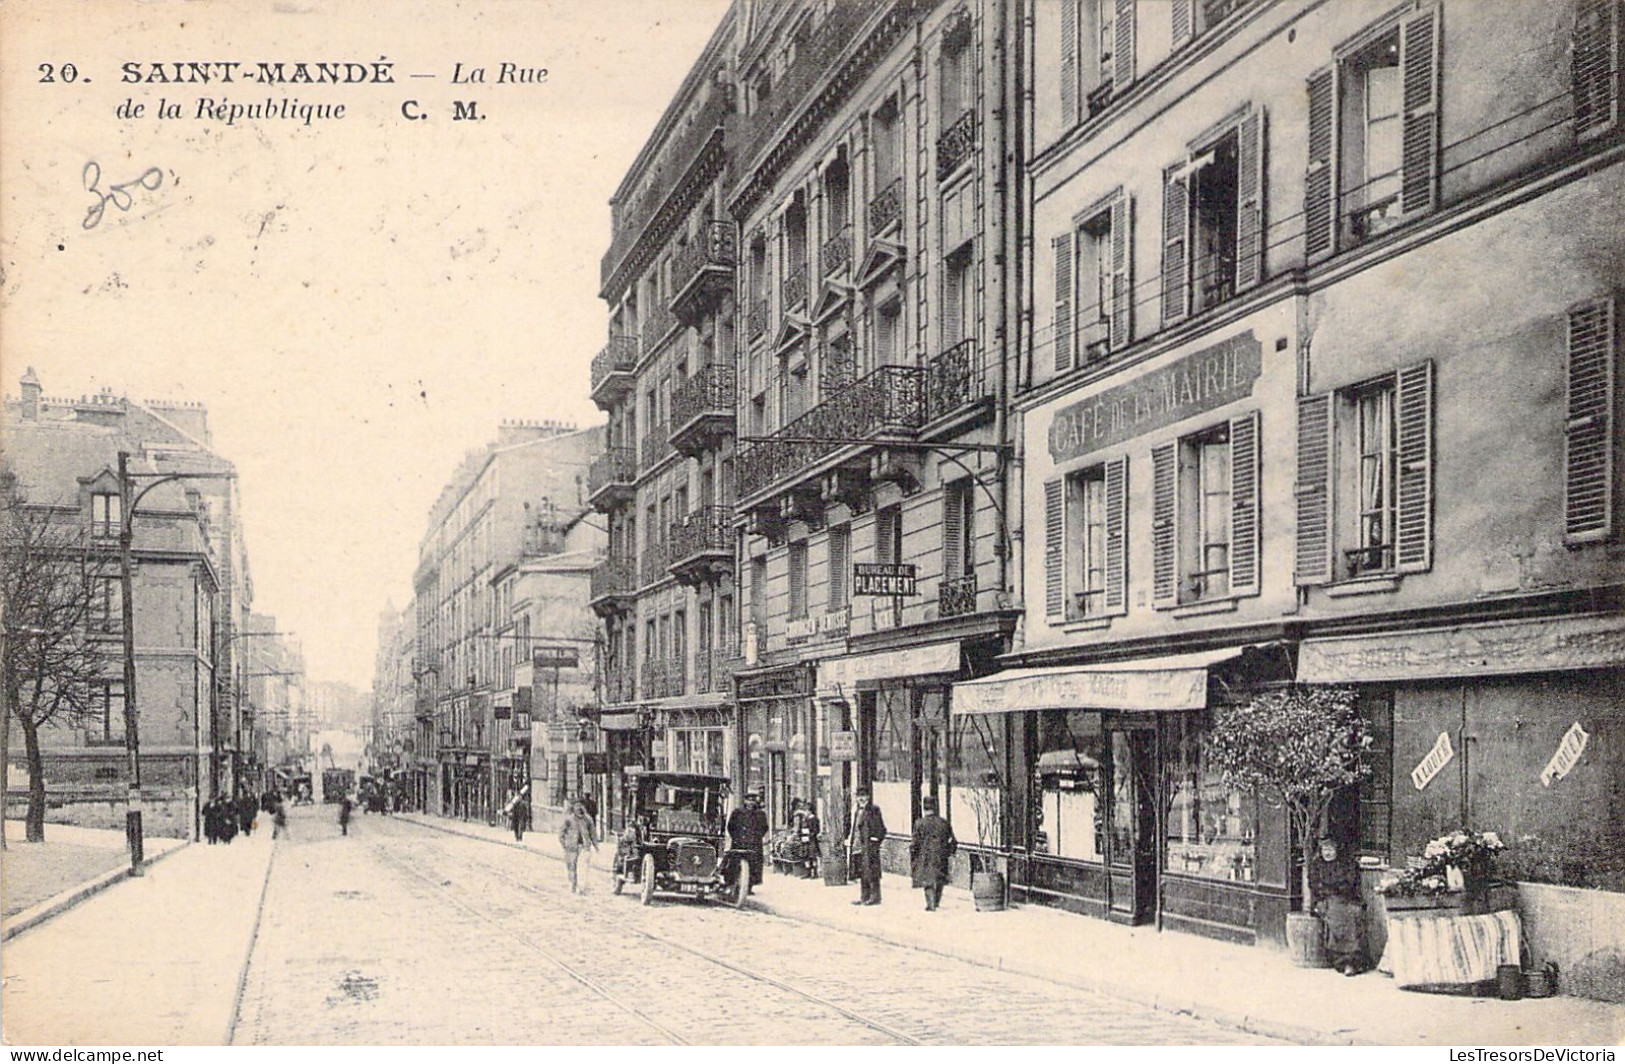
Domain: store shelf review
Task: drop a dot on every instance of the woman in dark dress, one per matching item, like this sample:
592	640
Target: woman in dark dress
1334	879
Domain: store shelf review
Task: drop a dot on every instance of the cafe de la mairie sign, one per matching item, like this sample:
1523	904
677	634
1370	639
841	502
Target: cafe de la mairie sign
1199	382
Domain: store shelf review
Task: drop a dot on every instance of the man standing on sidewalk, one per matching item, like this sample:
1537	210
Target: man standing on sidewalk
868	832
747	827
931	851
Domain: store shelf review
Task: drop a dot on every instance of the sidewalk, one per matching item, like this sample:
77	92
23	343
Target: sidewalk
38	879
151	961
1248	987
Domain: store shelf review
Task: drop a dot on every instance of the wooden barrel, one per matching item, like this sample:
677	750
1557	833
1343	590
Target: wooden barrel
987	890
1306	940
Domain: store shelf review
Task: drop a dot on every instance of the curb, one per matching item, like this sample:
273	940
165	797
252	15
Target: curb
248	953
1182	1007
55	906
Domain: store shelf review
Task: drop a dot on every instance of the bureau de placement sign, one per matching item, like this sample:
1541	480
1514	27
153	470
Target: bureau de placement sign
883	578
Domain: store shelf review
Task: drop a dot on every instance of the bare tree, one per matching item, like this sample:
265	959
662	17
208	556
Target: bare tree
49	586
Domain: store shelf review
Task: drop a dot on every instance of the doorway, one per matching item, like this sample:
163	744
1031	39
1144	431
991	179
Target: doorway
1134	827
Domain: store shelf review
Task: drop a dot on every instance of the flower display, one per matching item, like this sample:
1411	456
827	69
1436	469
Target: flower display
1468	853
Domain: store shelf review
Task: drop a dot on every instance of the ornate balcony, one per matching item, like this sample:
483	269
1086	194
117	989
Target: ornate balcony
656	446
658	326
612	376
956	596
956	144
663	677
620	685
714	669
794	291
840	365
702	546
888	402
836	256
704	271
653	569
612	587
702	409
756	318
886	208
610	478
954	380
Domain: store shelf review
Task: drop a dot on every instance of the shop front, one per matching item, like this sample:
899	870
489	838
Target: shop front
626	745
778	755
1109	807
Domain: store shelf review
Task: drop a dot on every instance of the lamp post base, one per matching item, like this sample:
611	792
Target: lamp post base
132	833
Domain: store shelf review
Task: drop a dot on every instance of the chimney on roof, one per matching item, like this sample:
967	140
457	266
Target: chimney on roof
31	395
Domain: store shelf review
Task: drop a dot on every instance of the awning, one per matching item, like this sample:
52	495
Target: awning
1174	682
1555	644
619	722
681	702
842	675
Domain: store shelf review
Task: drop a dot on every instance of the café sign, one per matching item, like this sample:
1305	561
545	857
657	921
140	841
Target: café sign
1197	383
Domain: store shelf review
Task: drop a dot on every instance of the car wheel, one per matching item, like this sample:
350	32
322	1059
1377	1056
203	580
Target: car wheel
648	878
616	882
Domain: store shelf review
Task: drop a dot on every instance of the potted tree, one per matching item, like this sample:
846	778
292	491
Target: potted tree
1297	746
985	794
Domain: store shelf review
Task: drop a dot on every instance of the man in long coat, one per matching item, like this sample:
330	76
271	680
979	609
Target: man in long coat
931	852
747	828
868	832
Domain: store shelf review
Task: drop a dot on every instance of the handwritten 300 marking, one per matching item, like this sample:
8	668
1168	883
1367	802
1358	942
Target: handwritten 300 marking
118	195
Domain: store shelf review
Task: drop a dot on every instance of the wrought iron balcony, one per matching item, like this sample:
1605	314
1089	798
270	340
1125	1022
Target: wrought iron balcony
612	586
840	365
955	144
704	270
794	290
702	409
714	669
653	569
612	376
888	401
756	318
620	685
886	208
954	380
663	677
956	596
836	256
610	478
702	546
656	446
658	326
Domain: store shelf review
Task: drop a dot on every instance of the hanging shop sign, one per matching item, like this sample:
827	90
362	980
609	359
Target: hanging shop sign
843	746
1437	758
554	658
894	580
1567	756
595	763
1197	383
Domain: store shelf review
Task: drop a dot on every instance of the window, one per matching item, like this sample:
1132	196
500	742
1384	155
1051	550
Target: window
889	551
106	717
958	297
959	530
798	580
1212	830
107	604
1594	67
106	514
1192	18
1588	427
1365	479
1097	55
886	130
976	775
1089	569
840	566
1376	792
1373	135
888	333
1069	783
1213	221
1205	515
758	592
1093	292
678	662
957	83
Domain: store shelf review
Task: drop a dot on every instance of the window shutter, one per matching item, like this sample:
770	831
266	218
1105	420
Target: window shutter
1117	536
1314	490
1123	47
953	532
1419	66
1164	538
1319	198
1245	478
1250	200
1069	63
1183	25
1588	436
1054	551
838	566
953	320
1175	226
1594	67
1122	328
1063	302
1413	403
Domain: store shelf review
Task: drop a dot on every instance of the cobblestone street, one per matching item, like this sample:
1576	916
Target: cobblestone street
398	934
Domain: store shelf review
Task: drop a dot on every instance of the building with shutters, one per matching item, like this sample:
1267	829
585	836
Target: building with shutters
1322	386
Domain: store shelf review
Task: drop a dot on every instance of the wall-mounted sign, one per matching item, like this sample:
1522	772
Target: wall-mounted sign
594	763
554	658
1197	383
1567	756
843	746
884	578
1436	759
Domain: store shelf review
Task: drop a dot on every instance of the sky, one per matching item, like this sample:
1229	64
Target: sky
358	300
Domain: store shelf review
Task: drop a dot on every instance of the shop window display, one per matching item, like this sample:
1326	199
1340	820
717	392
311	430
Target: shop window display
976	765
1211	829
1069	785
893	771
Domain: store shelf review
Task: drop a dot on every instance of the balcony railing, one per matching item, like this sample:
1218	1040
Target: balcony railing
657	325
794	290
954	379
656	557
704	269
886	208
714	669
612	366
610	477
889	400
701	544
955	144
756	317
956	596
702	408
611	585
836	256
663	677
620	685
656	446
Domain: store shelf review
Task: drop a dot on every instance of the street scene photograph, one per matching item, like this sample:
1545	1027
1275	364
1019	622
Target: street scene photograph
812	523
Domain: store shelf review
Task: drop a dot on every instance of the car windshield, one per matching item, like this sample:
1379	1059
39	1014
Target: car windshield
674	808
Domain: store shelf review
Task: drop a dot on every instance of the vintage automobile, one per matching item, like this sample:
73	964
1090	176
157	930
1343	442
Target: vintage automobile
674	842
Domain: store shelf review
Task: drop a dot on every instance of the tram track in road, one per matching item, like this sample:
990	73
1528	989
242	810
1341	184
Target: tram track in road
605	927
